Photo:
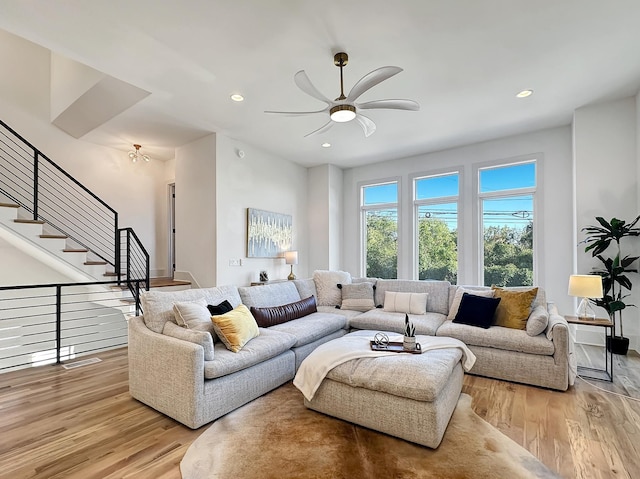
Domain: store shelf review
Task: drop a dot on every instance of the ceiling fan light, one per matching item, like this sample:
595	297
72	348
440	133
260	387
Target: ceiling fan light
343	113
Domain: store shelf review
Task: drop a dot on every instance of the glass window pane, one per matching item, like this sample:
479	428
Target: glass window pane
437	187
377	194
438	242
508	241
382	243
508	177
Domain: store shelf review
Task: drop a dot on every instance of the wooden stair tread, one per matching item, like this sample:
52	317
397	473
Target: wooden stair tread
109	273
8	205
69	250
160	282
33	222
95	263
53	236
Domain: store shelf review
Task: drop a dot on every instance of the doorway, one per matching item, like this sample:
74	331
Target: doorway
172	230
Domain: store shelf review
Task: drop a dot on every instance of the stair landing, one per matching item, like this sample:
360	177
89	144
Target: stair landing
166	282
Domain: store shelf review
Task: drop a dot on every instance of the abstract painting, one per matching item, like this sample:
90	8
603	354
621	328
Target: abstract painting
268	234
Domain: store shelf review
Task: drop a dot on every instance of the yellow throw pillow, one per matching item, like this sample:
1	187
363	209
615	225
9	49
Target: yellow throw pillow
235	328
514	308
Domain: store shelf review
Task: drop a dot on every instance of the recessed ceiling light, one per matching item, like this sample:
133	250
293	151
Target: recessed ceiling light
237	97
524	93
326	145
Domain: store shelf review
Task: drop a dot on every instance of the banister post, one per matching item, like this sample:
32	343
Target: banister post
35	184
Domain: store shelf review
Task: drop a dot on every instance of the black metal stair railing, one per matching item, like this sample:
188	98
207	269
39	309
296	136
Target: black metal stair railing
50	194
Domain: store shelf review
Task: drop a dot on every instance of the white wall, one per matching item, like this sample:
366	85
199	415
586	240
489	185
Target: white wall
264	181
128	188
326	210
195	174
606	172
19	268
553	146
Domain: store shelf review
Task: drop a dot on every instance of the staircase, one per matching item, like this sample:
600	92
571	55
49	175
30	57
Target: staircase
51	216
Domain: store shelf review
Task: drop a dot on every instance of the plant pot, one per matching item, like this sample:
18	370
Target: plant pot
618	345
409	343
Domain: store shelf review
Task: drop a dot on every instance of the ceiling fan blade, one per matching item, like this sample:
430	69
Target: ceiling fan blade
368	126
390	104
370	80
297	113
302	80
322	129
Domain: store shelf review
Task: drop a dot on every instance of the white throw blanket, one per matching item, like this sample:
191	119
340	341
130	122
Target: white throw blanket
357	345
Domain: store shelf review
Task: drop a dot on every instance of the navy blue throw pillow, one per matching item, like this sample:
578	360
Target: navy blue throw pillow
476	310
219	309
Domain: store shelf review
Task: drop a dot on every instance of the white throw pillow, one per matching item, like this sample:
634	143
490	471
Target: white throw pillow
194	315
455	305
327	286
411	303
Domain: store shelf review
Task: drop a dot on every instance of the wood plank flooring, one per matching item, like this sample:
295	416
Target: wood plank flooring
82	423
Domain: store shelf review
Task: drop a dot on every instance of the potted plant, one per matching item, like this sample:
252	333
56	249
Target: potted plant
409	342
615	282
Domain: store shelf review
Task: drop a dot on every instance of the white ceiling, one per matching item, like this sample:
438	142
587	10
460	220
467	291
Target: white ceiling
463	60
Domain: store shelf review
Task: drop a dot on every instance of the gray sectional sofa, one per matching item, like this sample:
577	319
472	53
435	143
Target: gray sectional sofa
169	372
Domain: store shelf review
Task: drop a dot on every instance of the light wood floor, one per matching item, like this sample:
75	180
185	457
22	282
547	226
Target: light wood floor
82	423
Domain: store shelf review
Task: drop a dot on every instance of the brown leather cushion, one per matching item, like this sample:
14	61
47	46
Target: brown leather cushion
266	317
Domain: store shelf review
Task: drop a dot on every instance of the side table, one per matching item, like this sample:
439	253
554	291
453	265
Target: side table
593	373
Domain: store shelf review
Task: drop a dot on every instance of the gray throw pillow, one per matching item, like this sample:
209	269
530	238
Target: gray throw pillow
357	297
538	321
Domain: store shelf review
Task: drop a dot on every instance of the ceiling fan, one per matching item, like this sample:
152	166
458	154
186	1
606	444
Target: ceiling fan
345	108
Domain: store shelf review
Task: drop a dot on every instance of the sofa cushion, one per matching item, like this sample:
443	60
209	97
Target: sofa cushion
235	328
327	286
201	338
269	295
438	291
514	308
357	297
476	310
456	297
267	345
538	321
306	288
414	303
379	320
312	327
266	317
157	306
498	337
347	313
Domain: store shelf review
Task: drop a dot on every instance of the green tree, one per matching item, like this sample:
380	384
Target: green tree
508	256
382	245
437	250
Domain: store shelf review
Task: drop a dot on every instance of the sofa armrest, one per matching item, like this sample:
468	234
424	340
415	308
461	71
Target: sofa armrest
164	372
558	332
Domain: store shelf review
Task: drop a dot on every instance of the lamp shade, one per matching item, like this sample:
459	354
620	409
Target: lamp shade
291	257
585	285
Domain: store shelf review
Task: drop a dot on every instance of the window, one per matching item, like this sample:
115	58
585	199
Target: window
436	219
507	198
379	209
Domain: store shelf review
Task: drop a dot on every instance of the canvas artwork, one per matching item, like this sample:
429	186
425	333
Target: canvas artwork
268	234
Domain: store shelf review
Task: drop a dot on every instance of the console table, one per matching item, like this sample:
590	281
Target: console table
593	373
273	281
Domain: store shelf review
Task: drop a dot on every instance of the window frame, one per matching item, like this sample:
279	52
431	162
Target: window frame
415	269
538	221
362	212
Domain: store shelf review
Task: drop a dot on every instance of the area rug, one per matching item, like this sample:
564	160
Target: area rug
275	436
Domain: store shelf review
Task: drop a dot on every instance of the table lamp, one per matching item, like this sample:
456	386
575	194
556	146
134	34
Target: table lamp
291	257
585	286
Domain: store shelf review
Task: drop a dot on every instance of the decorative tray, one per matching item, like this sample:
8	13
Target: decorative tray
395	347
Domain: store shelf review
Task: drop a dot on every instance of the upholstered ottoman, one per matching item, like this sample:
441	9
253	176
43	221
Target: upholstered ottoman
410	396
